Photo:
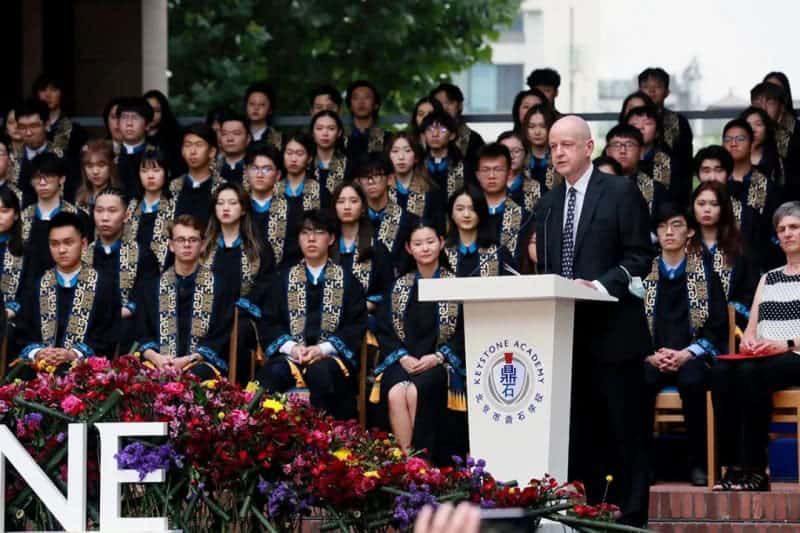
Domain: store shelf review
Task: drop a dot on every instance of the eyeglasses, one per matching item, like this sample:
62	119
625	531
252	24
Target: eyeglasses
29	127
433	128
675	225
627	145
187	240
493	171
372	178
734	140
316	232
261	171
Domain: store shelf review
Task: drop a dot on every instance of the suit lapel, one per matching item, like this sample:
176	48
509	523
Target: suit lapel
593	193
556	228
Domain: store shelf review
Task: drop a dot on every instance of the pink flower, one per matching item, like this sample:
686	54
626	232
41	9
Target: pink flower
238	418
98	364
175	388
72	405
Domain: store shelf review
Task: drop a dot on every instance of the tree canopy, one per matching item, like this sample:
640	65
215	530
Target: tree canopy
218	47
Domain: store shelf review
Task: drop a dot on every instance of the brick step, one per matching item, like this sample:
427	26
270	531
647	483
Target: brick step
722	527
675	502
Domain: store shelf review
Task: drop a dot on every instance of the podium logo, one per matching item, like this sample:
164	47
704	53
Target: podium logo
507	382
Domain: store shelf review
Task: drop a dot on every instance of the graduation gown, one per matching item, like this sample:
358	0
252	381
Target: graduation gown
71	182
421	199
285	215
739	281
678	139
128	163
332	310
478	261
269	135
67	136
526	192
195	201
35	233
653	192
330	177
506	222
11	277
407	326
469	143
543	171
660	165
248	280
755	200
150	232
72	318
375	273
391	227
178	316
234	174
447	174
359	143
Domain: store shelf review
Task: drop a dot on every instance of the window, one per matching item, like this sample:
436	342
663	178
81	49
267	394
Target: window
490	88
514	33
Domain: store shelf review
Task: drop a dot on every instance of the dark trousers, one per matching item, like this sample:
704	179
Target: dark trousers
607	435
742	392
328	387
692	381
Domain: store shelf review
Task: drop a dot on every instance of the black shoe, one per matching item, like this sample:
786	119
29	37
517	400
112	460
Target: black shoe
699	477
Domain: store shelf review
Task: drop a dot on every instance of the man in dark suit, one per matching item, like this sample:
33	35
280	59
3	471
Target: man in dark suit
593	228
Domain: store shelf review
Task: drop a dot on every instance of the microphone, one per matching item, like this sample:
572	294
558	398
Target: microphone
546	220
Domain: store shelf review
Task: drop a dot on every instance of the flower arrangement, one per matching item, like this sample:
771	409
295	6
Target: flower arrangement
239	460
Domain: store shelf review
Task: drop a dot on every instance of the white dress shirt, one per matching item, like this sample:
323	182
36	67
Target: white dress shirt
580	193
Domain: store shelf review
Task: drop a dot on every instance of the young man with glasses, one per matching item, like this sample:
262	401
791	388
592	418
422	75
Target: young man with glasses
506	219
134	114
47	181
314	323
686	311
185	317
261	171
444	161
624	144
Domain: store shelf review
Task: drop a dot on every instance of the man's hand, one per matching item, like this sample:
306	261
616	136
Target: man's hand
10	314
179	363
298	353
677	358
466	518
126	313
313	354
660	360
586	283
409	363
160	361
426	362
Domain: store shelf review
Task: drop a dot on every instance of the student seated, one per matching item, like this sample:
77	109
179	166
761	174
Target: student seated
506	219
743	390
524	190
421	372
115	256
686	311
233	137
624	143
472	249
444	161
314	323
47	180
390	222
410	185
536	130
64	314
65	134
133	115
331	166
468	141
262	169
185	317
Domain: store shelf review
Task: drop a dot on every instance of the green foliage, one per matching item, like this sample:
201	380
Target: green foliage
218	47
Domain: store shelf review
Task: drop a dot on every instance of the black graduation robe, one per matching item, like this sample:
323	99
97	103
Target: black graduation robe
526	191
249	281
128	163
755	200
653	192
359	143
337	172
150	232
391	227
423	200
285	216
664	168
199	321
479	261
506	223
447	174
195	200
73	318
375	273
469	143
678	139
230	173
739	281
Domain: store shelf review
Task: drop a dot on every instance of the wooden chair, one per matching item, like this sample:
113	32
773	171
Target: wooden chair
233	347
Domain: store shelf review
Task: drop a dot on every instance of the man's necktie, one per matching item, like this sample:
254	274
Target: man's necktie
567	237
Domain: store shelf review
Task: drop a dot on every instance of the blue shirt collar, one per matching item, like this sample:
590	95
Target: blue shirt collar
499	210
376	216
41	216
294	193
152	208
108	249
649	155
467	250
516	184
67	281
536	162
438	168
401	189
418	276
671	272
139	148
310	276
4	237
259	207
344	249
193	183
236	243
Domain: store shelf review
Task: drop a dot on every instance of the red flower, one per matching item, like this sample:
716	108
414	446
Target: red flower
72	405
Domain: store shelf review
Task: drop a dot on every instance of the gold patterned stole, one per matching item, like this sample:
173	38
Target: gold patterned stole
455	178
176	185
63	133
531	193
362	270
722	269
279	213
375	143
417	195
248	270
696	288
671	127
552	178
128	265
662	168
488	260
275	138
80	312
510	225
159	243
12	273
462	138
782	138
202	306
390	225
332	300
401	294
646	185
29	214
756	195
14	167
335	175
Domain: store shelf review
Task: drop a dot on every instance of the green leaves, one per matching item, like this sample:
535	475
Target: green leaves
218	47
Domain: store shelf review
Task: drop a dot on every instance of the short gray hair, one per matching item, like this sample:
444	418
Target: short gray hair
788	209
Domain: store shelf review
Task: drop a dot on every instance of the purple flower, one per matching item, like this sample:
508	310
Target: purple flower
282	498
147	459
407	506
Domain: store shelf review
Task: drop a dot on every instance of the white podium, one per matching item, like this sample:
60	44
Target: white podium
518	332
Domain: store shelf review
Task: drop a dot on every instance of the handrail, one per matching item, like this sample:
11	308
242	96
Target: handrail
302	120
